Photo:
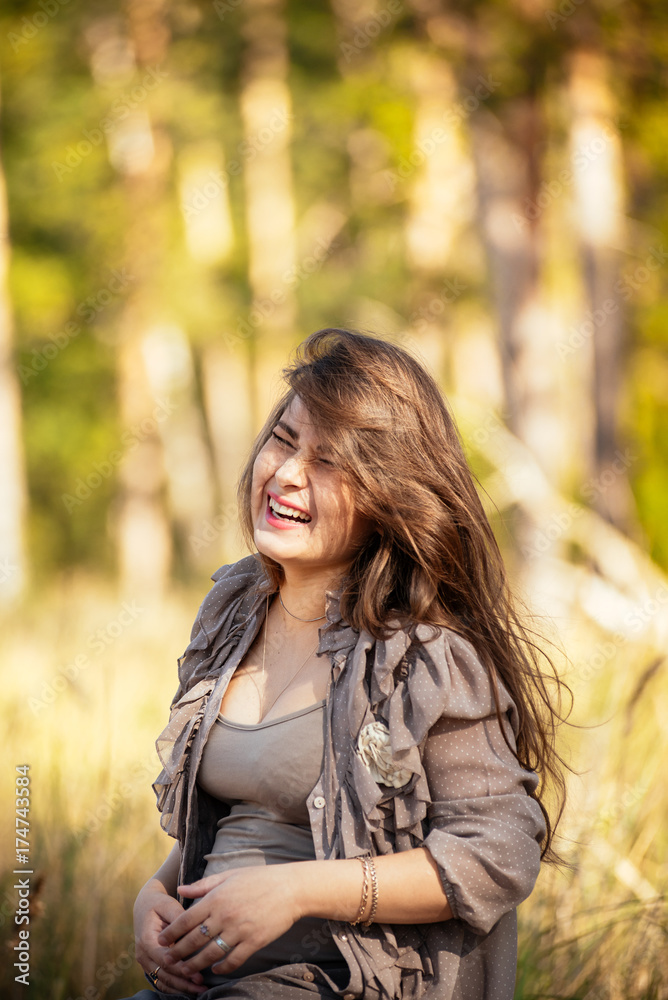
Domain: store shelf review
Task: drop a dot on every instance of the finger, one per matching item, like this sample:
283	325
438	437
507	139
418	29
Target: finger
193	936
202	885
187	948
163	960
170	982
179	927
194	890
240	954
209	954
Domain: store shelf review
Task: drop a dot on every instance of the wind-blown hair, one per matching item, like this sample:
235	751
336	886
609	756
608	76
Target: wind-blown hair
433	557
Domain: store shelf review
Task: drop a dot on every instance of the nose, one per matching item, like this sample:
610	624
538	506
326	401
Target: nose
292	472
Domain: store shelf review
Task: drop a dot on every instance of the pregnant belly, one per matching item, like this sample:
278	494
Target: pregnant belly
249	836
308	940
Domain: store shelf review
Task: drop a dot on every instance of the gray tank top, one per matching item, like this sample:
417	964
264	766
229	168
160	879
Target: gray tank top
265	772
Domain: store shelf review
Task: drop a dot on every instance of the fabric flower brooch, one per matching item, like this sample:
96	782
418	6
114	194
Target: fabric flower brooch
373	745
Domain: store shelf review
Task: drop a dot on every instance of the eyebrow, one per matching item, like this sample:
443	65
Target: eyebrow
288	430
295	436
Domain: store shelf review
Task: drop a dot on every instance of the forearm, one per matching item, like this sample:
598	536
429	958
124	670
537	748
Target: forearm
167	876
409	889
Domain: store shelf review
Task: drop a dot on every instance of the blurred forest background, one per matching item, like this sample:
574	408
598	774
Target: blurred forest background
187	189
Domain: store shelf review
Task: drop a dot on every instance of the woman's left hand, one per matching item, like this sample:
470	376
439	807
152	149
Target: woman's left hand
246	907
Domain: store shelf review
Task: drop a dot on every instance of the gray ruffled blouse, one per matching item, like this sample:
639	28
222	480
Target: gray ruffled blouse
466	798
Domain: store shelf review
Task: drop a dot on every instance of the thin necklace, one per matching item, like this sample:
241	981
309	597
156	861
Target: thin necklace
264	652
319	618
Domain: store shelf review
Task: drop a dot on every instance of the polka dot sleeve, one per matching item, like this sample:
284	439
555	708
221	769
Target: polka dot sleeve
485	830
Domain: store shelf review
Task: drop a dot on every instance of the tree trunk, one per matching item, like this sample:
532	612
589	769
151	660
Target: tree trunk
599	217
441	201
168	359
227	401
140	151
13	489
506	154
270	212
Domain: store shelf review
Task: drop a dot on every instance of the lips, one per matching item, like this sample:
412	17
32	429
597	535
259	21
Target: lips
287	513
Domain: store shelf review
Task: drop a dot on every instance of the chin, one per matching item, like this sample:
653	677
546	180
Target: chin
267	546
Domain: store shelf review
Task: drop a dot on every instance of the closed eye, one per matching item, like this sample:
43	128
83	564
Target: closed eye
282	440
289	444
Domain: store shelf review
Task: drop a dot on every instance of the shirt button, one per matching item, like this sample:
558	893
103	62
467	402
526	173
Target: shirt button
319	802
348	996
308	976
343	937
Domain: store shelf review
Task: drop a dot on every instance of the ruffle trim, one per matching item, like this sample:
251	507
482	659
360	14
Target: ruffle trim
220	623
409	688
415	676
405	954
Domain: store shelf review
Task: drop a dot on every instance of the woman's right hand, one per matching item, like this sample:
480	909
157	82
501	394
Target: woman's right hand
154	910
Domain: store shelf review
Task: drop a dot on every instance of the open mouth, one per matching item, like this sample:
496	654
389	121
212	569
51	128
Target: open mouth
288	513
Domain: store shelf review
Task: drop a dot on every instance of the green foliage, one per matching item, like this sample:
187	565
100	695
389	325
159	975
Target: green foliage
69	212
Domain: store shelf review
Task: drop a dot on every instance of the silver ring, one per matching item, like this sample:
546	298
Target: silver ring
222	944
205	930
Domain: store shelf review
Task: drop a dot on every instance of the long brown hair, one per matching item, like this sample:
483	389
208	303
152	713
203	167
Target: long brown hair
433	557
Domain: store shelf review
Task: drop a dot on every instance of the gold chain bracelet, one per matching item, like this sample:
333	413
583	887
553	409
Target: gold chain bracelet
374	893
365	892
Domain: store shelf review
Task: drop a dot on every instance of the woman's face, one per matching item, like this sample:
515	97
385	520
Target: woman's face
302	510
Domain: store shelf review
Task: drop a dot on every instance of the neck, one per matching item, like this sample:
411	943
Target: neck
303	593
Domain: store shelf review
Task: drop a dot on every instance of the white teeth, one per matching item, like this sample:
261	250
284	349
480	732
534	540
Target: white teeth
290	511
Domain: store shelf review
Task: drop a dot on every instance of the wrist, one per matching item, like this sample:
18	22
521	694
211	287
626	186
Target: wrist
329	889
149	889
300	888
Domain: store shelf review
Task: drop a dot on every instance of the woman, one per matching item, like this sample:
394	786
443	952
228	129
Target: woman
352	759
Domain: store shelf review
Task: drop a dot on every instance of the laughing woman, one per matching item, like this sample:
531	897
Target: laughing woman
353	757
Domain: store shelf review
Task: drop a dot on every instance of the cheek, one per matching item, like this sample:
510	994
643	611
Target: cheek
261	474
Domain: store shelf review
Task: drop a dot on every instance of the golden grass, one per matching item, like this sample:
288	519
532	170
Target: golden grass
600	931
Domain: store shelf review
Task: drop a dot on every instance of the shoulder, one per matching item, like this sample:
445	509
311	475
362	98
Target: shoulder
228	603
235	589
457	666
430	672
240	574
